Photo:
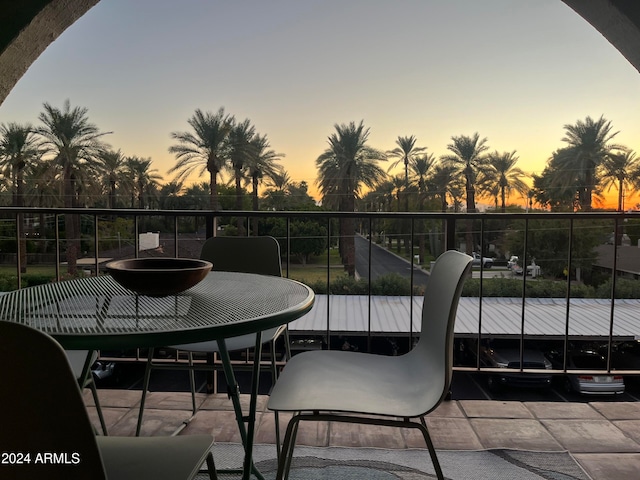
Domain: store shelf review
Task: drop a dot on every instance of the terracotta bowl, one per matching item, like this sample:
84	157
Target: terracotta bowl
158	277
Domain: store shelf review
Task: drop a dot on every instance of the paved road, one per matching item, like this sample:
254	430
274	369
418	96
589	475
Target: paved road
384	262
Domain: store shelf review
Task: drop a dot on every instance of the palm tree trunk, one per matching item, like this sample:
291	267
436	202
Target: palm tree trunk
70	223
349	240
239	221
254	198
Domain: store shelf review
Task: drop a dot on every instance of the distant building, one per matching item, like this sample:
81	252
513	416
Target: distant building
628	264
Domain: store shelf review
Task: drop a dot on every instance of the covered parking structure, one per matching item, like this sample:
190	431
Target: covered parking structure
536	318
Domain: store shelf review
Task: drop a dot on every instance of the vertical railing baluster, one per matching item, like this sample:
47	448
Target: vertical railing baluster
567	298
328	282
57	234
136	236
175	236
288	240
613	290
19	248
369	255
95	244
524	289
411	281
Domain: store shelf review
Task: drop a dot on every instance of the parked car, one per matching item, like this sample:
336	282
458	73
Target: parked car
506	354
102	370
513	261
606	384
487	262
626	356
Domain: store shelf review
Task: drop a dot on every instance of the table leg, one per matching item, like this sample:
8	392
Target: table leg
246	432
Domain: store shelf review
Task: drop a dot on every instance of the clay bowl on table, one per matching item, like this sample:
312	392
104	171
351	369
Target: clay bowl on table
158	277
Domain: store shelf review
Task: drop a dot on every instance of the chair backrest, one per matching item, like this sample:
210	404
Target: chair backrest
244	254
41	409
442	294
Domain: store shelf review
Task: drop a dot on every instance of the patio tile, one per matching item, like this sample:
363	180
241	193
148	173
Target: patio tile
590	436
563	410
514	433
266	428
171	401
494	409
630	427
221	424
156	422
618	410
221	401
357	435
114	398
608	466
111	417
446	434
450	409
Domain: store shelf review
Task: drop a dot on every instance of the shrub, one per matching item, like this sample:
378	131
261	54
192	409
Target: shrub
625	288
505	287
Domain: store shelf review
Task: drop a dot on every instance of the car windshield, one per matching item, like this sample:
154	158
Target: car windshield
589	360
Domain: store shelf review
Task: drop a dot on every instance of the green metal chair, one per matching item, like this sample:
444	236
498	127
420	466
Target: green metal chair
42	414
352	387
259	255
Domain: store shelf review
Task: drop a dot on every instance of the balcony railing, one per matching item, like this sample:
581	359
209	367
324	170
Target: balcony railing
318	248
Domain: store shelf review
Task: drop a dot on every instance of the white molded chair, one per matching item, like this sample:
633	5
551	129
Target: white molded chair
259	255
352	387
43	413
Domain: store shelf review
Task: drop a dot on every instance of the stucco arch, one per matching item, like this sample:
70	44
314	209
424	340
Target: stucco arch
28	27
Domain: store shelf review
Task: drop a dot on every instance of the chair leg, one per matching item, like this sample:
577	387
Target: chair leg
422	426
287	345
286	455
94	392
192	382
145	388
211	466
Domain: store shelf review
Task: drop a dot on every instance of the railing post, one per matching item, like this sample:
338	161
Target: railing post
450	234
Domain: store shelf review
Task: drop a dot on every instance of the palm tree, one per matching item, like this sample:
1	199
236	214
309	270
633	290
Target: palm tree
204	150
398	186
502	177
17	151
468	156
278	184
405	152
18	148
146	180
588	148
443	183
240	149
74	144
347	165
469	159
112	165
261	163
421	167
622	171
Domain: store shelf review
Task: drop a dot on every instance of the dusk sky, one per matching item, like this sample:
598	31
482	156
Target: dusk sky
515	71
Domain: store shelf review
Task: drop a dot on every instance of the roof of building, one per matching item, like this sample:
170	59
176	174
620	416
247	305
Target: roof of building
628	258
501	317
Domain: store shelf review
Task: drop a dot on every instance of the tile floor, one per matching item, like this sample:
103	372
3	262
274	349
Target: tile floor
604	437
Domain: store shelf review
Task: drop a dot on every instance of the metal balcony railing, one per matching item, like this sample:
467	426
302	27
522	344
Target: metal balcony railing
556	245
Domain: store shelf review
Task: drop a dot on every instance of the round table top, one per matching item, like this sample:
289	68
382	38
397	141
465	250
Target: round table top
98	313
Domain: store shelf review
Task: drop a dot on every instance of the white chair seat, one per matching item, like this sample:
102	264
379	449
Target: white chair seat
353	382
